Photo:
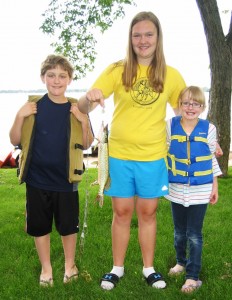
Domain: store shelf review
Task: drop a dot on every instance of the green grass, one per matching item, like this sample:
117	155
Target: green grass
20	268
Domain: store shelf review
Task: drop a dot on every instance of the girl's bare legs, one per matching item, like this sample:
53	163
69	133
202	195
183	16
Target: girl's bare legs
123	209
69	246
146	212
42	244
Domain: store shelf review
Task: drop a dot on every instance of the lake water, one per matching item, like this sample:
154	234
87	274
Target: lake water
11	102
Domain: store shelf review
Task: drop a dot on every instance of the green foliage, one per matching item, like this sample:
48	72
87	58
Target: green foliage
20	267
74	24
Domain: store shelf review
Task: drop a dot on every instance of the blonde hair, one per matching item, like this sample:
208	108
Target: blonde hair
157	69
54	60
195	93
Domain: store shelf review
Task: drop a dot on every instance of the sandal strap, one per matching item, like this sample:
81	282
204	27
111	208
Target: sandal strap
110	277
154	277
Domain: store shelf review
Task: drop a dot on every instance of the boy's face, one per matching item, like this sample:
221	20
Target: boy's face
56	81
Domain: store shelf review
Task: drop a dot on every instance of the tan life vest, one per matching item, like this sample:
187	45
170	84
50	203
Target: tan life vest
75	158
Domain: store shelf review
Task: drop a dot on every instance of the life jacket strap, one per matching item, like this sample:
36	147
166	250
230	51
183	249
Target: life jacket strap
180	138
184	138
187	161
78	146
199	173
200	139
78	172
203	158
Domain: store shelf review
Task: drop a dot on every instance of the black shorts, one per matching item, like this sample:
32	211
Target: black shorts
42	206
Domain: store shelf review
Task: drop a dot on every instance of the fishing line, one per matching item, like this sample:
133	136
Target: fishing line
87	184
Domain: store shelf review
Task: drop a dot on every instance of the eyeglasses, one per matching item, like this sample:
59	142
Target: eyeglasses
194	104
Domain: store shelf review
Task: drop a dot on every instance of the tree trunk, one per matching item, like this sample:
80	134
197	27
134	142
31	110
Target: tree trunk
220	55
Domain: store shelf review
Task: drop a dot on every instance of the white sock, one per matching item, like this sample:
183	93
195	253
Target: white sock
119	271
148	271
161	284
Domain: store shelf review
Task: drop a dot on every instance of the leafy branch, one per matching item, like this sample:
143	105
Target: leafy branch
73	25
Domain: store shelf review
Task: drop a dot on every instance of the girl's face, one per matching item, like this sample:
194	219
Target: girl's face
56	81
144	41
189	108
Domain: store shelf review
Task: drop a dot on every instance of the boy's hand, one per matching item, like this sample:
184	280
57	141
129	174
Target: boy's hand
76	112
29	108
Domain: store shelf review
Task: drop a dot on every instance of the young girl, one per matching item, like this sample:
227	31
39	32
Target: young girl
193	171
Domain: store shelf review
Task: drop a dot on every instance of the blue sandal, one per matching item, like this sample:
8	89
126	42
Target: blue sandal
110	277
154	277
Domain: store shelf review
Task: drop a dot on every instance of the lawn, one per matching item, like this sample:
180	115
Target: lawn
20	268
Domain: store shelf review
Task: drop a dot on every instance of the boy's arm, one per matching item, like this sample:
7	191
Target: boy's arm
26	110
87	131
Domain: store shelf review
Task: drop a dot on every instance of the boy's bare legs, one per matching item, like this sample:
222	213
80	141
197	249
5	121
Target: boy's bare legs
69	246
42	244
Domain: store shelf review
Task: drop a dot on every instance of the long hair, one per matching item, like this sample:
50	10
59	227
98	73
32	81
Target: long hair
157	69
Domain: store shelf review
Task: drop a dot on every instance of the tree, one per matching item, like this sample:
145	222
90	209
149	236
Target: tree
220	56
76	22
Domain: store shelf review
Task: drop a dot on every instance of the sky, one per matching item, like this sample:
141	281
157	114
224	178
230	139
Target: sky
24	46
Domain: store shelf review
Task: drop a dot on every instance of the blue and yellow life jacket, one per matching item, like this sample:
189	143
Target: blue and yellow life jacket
189	157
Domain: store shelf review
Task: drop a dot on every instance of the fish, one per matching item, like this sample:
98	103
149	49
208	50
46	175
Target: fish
103	163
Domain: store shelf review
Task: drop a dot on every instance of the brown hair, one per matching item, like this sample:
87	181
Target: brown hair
54	60
157	69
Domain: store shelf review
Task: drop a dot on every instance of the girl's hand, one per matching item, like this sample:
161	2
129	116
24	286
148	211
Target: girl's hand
95	95
213	198
214	193
218	151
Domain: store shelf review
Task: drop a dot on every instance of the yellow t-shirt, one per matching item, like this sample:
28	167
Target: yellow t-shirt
138	124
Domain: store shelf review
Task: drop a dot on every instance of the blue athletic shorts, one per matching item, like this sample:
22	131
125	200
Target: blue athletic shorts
146	179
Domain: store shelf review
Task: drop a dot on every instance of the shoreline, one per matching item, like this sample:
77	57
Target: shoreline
91	161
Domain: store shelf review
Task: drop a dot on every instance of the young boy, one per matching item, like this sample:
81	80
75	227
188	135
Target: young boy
52	133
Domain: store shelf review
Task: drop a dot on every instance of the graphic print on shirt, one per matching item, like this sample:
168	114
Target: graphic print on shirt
142	93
